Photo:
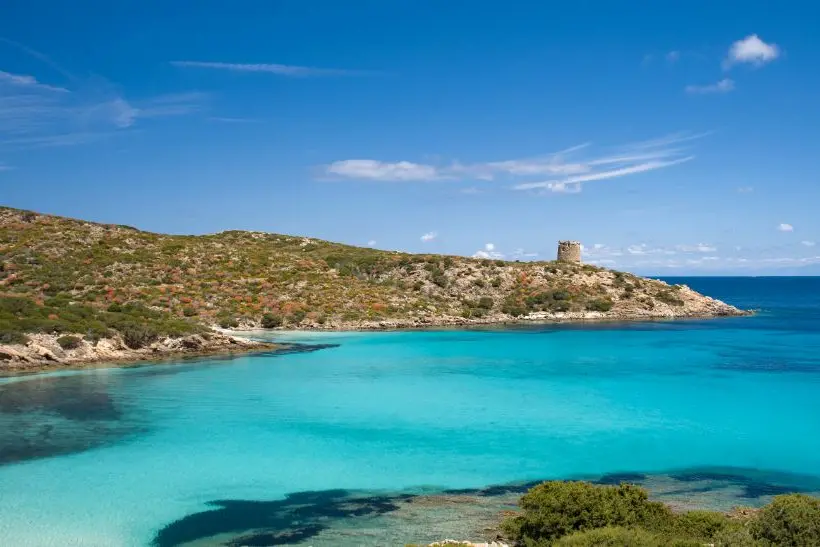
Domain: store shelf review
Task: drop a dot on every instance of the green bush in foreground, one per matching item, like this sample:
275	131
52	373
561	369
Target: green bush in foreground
580	514
616	536
790	520
555	509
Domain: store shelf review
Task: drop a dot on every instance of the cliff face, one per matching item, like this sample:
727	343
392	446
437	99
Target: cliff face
56	273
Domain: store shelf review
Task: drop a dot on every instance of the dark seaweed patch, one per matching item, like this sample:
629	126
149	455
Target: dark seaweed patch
752	487
299	516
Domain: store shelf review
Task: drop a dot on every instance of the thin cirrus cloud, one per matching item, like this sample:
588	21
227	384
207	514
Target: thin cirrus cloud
723	86
270	68
26	81
34	114
568	169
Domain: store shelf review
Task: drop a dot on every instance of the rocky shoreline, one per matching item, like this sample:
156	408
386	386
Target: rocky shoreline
44	353
694	306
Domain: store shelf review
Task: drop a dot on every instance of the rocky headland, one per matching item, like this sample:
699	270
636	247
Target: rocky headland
74	292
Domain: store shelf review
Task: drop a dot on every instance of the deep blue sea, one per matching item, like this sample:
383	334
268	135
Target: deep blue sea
279	449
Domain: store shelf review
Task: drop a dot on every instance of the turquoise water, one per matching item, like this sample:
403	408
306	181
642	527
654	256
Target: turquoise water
200	454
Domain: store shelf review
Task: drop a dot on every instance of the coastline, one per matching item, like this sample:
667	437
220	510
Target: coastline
43	354
422	323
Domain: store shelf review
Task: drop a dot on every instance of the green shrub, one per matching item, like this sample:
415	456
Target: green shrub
561	294
700	525
271	321
616	536
599	304
485	302
790	520
738	535
115	307
12	337
69	342
137	335
668	297
555	509
189	311
227	322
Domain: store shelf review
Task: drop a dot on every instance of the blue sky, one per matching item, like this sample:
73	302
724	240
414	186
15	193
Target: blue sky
669	137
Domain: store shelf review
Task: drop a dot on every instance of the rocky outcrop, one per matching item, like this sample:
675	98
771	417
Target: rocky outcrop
44	352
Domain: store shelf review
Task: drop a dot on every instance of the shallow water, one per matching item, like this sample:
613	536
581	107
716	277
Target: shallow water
705	413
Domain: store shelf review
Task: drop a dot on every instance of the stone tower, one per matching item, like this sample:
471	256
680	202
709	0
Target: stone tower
569	251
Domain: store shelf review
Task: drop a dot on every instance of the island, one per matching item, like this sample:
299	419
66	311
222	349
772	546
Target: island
74	292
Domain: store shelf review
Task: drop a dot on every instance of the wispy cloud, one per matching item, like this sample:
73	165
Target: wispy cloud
33	117
384	171
371	243
270	68
697	248
35	114
569	168
673	56
745	190
224	119
723	86
23	80
429	236
785	227
751	50
472	190
808	243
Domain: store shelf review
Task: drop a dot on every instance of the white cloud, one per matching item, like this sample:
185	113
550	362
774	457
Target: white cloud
489	252
271	68
472	190
570	168
560	186
698	248
785	227
723	86
429	236
371	243
751	50
808	243
22	80
383	171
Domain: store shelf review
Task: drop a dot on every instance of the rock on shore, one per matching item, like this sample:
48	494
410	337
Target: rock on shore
44	352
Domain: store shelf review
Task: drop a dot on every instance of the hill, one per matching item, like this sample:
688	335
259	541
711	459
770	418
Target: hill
66	276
